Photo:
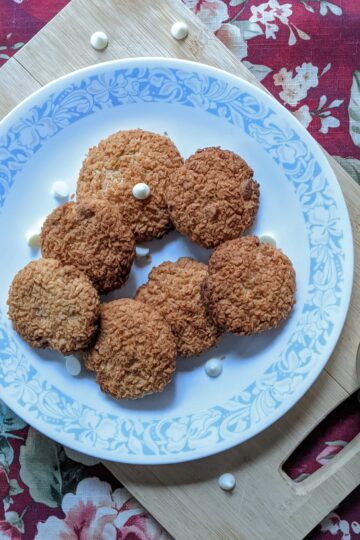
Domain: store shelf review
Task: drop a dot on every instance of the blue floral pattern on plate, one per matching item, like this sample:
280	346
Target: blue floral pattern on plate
236	419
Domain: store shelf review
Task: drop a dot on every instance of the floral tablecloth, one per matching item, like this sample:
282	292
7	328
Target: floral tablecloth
307	53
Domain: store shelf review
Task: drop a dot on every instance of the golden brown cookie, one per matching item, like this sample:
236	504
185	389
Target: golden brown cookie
52	305
117	163
90	236
134	353
174	290
250	287
213	197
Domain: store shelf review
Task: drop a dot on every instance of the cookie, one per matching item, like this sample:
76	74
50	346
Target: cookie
134	353
212	197
122	160
174	290
90	236
52	305
250	287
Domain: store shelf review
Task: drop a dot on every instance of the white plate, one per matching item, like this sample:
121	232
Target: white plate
46	138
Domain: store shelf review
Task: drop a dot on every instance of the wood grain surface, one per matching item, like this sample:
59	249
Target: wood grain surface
185	498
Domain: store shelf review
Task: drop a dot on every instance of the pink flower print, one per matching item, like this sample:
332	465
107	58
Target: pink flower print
8	532
94	512
331	449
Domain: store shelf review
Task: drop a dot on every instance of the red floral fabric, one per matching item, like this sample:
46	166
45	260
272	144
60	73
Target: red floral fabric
306	52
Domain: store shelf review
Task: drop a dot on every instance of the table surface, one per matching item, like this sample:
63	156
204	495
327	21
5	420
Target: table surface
333	124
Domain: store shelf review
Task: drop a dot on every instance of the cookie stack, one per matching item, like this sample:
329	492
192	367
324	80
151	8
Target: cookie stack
88	248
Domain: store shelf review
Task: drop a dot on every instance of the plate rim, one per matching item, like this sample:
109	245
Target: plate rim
295	397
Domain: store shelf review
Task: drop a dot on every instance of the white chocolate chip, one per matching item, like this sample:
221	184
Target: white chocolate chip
267	239
33	235
73	365
33	239
99	41
60	190
179	30
40	223
227	481
141	251
141	191
213	367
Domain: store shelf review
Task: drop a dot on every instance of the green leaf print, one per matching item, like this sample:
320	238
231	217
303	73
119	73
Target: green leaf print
354	109
9	421
351	166
6	453
46	470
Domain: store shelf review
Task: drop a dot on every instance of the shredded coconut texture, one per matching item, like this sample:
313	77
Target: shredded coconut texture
51	305
134	353
90	236
174	290
213	197
250	287
116	164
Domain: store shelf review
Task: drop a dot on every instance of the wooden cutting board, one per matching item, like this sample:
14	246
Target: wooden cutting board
185	498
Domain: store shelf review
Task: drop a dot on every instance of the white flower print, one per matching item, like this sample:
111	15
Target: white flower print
292	93
268	13
281	11
265	15
295	89
283	77
262	14
303	115
307	74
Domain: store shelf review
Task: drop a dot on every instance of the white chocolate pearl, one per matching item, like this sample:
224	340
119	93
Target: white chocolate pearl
141	191
41	222
73	365
179	30
267	239
227	481
33	235
33	239
213	367
99	41
60	189
141	251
